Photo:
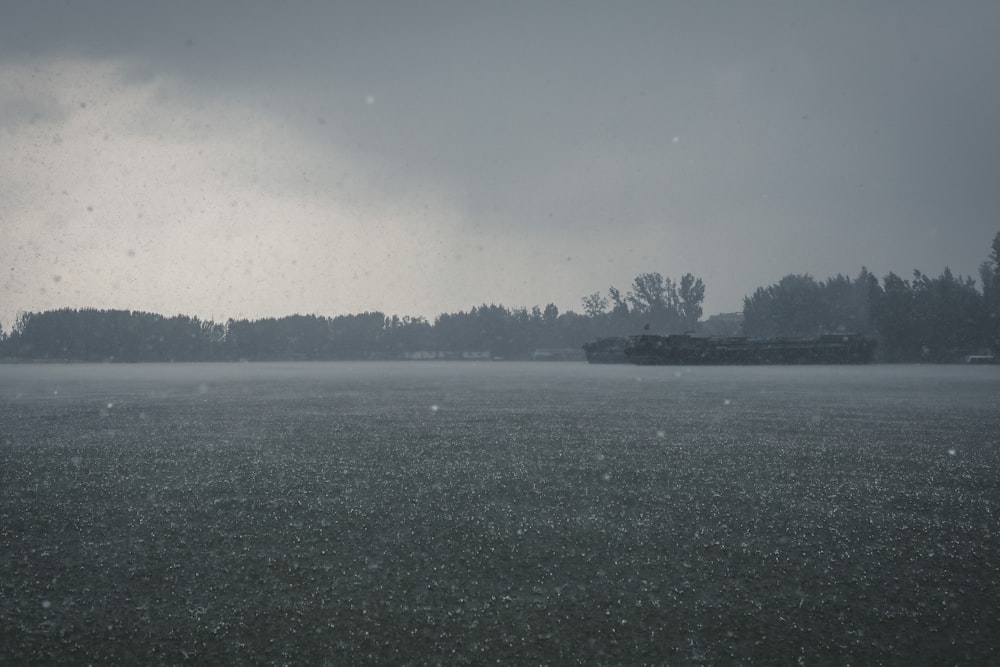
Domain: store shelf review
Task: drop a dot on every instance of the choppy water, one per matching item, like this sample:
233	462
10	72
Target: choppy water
511	512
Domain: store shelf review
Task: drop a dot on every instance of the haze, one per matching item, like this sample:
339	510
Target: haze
250	159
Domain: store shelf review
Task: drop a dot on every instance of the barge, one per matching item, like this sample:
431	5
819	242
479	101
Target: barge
687	350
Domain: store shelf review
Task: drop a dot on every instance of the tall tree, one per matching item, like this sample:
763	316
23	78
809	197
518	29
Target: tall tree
990	273
690	295
865	293
594	305
653	299
948	315
995	256
619	304
790	308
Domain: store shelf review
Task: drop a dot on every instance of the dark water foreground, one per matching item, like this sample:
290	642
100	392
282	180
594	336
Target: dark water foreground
511	513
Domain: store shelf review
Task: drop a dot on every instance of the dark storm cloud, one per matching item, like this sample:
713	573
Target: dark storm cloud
737	140
480	92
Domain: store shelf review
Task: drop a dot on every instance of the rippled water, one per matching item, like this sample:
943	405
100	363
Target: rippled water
511	512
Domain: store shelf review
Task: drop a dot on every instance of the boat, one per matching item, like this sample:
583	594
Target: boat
685	349
606	350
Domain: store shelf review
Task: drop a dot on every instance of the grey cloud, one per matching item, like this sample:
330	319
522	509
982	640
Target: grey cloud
874	120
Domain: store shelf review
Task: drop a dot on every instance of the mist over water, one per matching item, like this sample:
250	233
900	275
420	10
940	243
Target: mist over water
464	512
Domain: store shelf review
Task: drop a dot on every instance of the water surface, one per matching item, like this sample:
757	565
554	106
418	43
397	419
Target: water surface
520	512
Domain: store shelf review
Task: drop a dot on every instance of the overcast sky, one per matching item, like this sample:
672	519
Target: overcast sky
249	159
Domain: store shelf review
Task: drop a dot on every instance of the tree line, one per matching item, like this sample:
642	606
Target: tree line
920	319
923	319
486	331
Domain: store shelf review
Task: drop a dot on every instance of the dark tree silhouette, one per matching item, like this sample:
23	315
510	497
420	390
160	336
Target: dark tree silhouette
923	319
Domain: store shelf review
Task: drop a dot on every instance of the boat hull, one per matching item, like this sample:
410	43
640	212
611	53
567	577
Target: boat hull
606	351
685	350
